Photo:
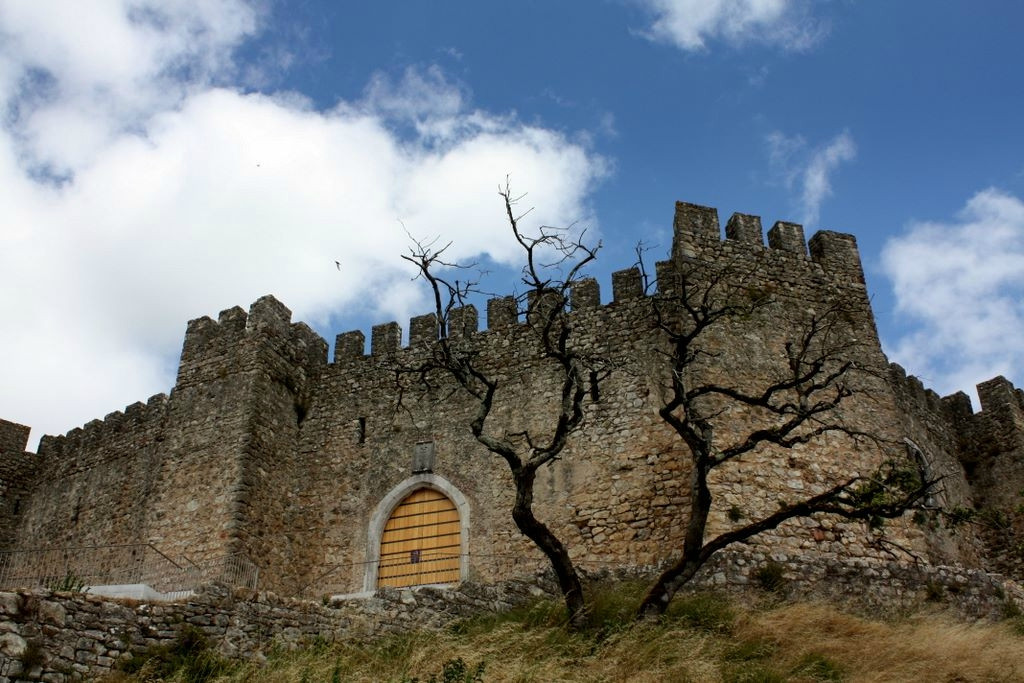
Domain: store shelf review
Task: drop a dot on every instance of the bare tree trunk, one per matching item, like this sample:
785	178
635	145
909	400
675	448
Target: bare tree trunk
664	588
568	579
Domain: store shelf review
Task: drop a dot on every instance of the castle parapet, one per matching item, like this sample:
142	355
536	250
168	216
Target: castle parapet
913	389
542	303
349	345
785	236
627	284
696	233
385	339
959	406
13	438
502	312
267	313
837	251
1002	412
667	281
423	329
999	395
585	294
998	427
211	345
694	226
233	319
744	228
100	431
463	321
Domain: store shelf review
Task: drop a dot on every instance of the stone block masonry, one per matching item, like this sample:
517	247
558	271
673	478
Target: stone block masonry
265	449
60	637
16	470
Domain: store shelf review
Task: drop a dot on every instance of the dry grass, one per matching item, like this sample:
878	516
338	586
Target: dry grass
703	639
926	647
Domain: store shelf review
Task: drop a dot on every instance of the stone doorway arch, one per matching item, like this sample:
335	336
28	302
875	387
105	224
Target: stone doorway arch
418	535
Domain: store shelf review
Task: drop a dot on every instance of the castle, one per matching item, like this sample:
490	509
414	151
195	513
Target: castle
265	455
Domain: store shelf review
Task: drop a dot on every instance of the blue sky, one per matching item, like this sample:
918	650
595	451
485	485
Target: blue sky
160	161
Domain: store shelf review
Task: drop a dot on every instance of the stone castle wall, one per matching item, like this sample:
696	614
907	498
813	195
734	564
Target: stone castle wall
16	471
994	458
265	449
620	493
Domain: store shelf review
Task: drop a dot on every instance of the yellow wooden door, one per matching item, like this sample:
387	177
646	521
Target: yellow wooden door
421	542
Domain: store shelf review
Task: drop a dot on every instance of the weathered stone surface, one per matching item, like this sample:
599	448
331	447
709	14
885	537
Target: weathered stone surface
250	625
266	457
52	613
12	645
10	604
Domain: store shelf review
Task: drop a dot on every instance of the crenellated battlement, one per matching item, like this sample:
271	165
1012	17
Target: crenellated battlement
266	316
1001	420
214	345
696	231
265	447
503	312
914	389
997	427
215	348
999	398
99	431
13	438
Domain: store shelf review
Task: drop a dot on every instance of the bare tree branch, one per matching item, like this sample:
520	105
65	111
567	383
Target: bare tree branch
553	262
802	404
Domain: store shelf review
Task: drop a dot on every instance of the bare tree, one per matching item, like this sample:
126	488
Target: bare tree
799	401
554	259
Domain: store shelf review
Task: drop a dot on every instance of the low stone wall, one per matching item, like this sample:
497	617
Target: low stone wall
869	586
61	637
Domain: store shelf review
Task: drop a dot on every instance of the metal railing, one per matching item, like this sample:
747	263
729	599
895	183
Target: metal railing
82	567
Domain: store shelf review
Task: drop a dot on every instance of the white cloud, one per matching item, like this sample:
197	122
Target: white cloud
960	287
808	169
183	196
691	24
97	69
421	95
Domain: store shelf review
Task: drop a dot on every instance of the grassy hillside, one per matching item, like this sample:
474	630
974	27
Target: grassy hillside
705	637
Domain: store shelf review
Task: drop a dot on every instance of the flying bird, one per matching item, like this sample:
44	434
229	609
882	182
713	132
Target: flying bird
337	265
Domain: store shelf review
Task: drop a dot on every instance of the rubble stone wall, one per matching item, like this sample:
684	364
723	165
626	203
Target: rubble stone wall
17	468
58	637
265	449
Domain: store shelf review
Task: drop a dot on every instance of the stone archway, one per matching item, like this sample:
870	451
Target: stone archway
418	535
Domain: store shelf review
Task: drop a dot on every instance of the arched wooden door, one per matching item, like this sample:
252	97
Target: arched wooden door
421	542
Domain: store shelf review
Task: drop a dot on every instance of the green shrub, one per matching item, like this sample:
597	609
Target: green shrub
1012	614
771	576
612	606
455	671
33	655
538	614
707	612
189	658
69	583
